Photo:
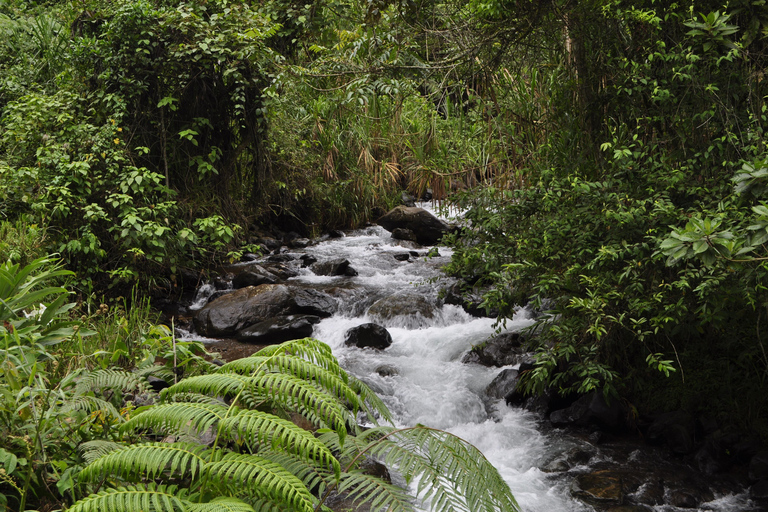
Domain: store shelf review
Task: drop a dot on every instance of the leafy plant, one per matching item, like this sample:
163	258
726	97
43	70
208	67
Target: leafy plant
259	459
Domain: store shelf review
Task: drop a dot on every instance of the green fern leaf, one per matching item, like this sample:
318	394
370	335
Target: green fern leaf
149	460
92	450
92	404
265	476
265	428
112	379
177	417
225	504
216	384
145	498
363	488
372	404
312	402
310	349
315	478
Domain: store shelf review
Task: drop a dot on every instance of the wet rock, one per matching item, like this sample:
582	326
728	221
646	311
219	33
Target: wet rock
254	275
650	492
337	267
368	335
503	384
299	243
759	490
281	258
282	271
469	300
676	429
314	302
630	508
279	329
590	409
219	293
269	243
502	350
413	254
241	308
599	488
404	234
249	256
427	228
758	467
157	383
407	199
335	233
403	309
404	256
683	499
387	370
307	260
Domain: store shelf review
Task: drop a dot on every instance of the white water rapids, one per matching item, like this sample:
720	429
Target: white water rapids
426	381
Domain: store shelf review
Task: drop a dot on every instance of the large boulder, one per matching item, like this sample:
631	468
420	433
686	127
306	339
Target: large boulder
427	228
504	383
279	329
408	310
254	275
241	308
677	429
368	335
590	409
337	267
314	302
502	350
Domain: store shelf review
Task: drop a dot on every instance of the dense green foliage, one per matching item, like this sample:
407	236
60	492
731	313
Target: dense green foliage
642	230
275	431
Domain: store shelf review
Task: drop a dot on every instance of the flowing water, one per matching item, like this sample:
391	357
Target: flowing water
425	380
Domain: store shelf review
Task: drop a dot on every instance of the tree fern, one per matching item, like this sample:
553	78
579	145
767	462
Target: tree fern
92	450
177	417
113	379
278	434
266	462
269	478
150	460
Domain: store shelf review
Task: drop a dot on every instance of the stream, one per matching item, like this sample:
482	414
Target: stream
422	380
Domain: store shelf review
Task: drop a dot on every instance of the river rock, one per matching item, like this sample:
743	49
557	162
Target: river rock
758	467
241	308
759	490
368	335
307	260
503	384
676	429
314	302
501	350
404	234
469	300
387	370
299	243
405	309
427	228
279	329
281	258
407	199
403	256
590	409
337	267
599	488
254	275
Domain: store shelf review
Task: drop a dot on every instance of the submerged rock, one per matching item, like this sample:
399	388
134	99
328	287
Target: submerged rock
279	329
427	228
368	335
501	350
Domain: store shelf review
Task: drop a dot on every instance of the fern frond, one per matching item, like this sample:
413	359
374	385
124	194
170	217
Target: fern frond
215	384
148	460
112	379
313	403
155	370
371	403
195	398
312	350
363	488
315	478
266	476
451	472
147	498
177	417
91	404
265	428
224	504
92	450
